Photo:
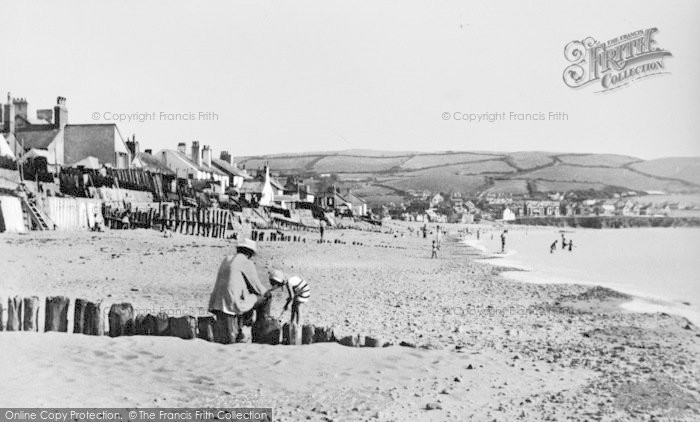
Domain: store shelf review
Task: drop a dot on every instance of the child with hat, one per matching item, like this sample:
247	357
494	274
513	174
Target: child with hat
297	288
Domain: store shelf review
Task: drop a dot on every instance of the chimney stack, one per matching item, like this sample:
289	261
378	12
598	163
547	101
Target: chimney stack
196	156
225	156
9	115
182	148
60	112
206	155
20	107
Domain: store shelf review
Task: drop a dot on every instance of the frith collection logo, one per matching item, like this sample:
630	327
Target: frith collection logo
616	62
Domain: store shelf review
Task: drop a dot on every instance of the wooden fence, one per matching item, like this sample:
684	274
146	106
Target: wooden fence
207	222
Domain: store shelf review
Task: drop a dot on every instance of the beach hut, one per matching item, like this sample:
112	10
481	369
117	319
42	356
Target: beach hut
11	217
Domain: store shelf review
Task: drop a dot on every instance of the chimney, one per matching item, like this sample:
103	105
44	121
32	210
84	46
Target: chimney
225	156
9	112
196	156
206	155
148	151
60	112
20	107
182	148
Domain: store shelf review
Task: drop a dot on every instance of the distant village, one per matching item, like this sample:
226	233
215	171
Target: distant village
47	156
455	208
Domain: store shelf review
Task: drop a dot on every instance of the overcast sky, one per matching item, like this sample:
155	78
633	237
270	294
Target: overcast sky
330	75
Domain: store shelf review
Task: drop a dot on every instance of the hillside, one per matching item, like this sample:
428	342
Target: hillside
383	176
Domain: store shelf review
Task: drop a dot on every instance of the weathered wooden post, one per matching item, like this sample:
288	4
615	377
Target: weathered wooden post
324	335
291	334
354	340
156	325
92	324
138	324
307	334
121	320
31	314
184	327
205	328
14	314
56	317
79	316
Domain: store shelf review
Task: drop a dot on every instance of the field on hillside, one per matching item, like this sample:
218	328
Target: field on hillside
509	186
423	161
346	164
599	160
280	163
608	176
526	160
554	186
678	168
439	183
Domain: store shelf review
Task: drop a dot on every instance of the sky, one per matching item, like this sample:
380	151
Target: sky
285	77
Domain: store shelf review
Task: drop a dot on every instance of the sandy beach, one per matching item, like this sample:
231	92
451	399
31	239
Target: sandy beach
475	344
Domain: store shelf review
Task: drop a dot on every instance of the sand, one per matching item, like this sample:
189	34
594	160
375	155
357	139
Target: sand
485	347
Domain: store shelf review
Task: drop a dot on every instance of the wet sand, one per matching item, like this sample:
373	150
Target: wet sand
485	347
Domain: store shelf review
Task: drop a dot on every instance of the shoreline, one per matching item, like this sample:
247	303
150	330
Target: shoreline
640	302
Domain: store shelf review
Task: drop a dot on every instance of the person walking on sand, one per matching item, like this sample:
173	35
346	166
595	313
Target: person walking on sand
553	247
321	228
237	292
563	241
297	288
571	244
503	241
434	252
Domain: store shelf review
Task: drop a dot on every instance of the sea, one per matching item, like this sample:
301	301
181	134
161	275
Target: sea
660	267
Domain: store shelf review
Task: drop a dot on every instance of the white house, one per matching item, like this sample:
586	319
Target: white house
508	214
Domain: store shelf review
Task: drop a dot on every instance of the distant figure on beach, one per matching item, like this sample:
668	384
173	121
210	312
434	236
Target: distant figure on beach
571	244
553	247
563	241
503	241
425	231
478	233
237	291
321	228
297	288
434	252
126	223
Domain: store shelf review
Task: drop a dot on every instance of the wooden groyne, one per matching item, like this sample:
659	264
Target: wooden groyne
122	320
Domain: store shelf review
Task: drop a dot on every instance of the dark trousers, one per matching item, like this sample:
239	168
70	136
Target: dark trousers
226	329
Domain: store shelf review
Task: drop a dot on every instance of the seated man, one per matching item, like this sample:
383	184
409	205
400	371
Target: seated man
237	292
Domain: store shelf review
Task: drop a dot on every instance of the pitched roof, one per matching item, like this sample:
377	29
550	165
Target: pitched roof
252	186
152	163
40	139
229	168
203	168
